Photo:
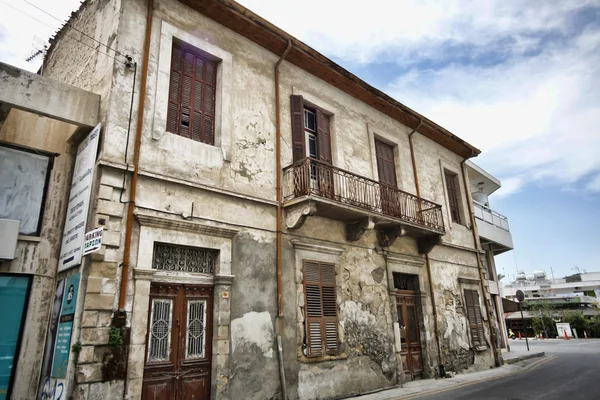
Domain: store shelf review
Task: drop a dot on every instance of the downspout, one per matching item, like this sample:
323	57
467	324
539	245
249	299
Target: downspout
479	265
121	314
442	369
278	228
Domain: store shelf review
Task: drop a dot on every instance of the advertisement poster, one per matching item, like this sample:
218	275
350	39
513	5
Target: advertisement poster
58	340
79	200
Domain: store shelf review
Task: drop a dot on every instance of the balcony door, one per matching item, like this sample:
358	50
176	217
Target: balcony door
179	343
386	169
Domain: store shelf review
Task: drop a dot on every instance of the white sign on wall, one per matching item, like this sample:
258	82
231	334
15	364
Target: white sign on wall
92	241
79	201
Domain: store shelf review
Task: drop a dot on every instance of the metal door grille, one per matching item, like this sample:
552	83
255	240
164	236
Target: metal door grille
196	325
168	257
160	330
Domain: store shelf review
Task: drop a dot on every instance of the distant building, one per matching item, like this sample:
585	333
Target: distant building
539	284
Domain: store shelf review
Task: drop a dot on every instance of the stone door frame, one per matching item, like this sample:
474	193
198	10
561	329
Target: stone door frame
154	228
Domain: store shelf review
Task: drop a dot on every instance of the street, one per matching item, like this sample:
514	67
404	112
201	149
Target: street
570	370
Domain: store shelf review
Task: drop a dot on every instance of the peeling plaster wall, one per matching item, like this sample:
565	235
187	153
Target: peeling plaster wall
39	255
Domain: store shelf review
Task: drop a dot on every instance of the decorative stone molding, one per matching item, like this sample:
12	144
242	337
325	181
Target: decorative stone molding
183	225
402	259
355	230
225	280
387	236
426	244
318	248
468	281
296	216
143	273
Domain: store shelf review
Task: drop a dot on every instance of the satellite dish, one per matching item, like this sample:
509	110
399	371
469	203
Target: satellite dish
520	296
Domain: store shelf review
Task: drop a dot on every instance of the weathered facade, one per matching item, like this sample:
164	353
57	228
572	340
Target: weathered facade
380	279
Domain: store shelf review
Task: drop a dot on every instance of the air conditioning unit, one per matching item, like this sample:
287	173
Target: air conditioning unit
9	230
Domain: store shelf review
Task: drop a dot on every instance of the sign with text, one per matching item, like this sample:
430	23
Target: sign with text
65	327
79	200
92	241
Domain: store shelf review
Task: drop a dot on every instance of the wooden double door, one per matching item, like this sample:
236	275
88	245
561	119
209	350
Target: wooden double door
178	343
407	304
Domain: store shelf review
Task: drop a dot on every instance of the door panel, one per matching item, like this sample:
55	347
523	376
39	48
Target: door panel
410	337
386	170
179	342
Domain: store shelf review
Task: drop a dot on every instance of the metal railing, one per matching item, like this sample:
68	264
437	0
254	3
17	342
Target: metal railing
312	177
490	216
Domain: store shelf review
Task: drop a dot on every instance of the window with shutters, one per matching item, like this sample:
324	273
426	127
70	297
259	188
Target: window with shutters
311	131
474	317
192	88
386	166
320	317
453	197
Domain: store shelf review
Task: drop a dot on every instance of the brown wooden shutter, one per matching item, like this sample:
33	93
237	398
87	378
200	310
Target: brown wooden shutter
386	166
451	186
297	108
474	317
191	111
321	319
323	137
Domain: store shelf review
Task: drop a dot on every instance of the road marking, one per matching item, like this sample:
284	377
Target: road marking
464	384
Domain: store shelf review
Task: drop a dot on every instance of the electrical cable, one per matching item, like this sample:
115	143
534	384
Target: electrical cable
72	27
53	27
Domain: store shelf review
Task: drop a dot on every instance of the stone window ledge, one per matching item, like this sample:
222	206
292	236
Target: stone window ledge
312	360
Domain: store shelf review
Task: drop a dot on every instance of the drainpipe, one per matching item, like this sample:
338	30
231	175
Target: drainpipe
442	369
479	264
278	190
121	314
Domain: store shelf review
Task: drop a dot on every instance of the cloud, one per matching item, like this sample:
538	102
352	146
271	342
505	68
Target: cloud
517	79
21	23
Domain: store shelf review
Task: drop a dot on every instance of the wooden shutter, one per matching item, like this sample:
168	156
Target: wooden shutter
321	319
323	137
385	163
474	317
192	92
297	108
451	186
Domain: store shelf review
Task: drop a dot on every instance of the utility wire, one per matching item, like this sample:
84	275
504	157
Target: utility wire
72	27
53	27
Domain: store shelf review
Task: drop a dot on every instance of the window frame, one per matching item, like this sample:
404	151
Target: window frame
391	163
453	194
323	319
476	329
198	54
51	156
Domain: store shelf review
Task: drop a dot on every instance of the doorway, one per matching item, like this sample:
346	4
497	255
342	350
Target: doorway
178	342
408	309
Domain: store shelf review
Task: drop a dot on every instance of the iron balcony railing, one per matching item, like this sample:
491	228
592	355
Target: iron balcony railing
312	177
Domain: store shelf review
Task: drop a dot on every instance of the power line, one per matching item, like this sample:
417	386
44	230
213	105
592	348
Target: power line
53	27
72	27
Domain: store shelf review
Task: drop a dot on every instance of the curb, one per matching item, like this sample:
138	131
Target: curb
523	357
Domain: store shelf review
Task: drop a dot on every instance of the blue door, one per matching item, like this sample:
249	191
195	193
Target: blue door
13	298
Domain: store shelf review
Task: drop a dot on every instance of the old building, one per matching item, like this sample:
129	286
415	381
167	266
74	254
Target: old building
273	226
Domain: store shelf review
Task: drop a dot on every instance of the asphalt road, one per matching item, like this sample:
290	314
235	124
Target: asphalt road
570	371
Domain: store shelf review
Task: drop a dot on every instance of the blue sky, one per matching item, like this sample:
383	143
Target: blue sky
518	79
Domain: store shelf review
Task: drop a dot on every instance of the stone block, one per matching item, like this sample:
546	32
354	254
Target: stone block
104	318
89	319
134	388
105	192
110	208
81	392
86	356
109	286
137	354
103	269
113	255
111	239
99	301
223	318
94	284
114	224
107	390
223	332
90	336
88	373
98	255
112	178
222	346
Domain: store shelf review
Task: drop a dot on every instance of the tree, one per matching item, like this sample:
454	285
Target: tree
577	321
543	321
501	276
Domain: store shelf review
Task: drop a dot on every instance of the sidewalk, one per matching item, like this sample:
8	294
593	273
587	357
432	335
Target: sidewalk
519	354
430	386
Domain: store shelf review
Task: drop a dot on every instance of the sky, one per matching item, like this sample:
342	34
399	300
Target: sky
518	79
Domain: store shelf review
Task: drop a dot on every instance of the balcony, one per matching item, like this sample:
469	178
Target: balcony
493	228
311	187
